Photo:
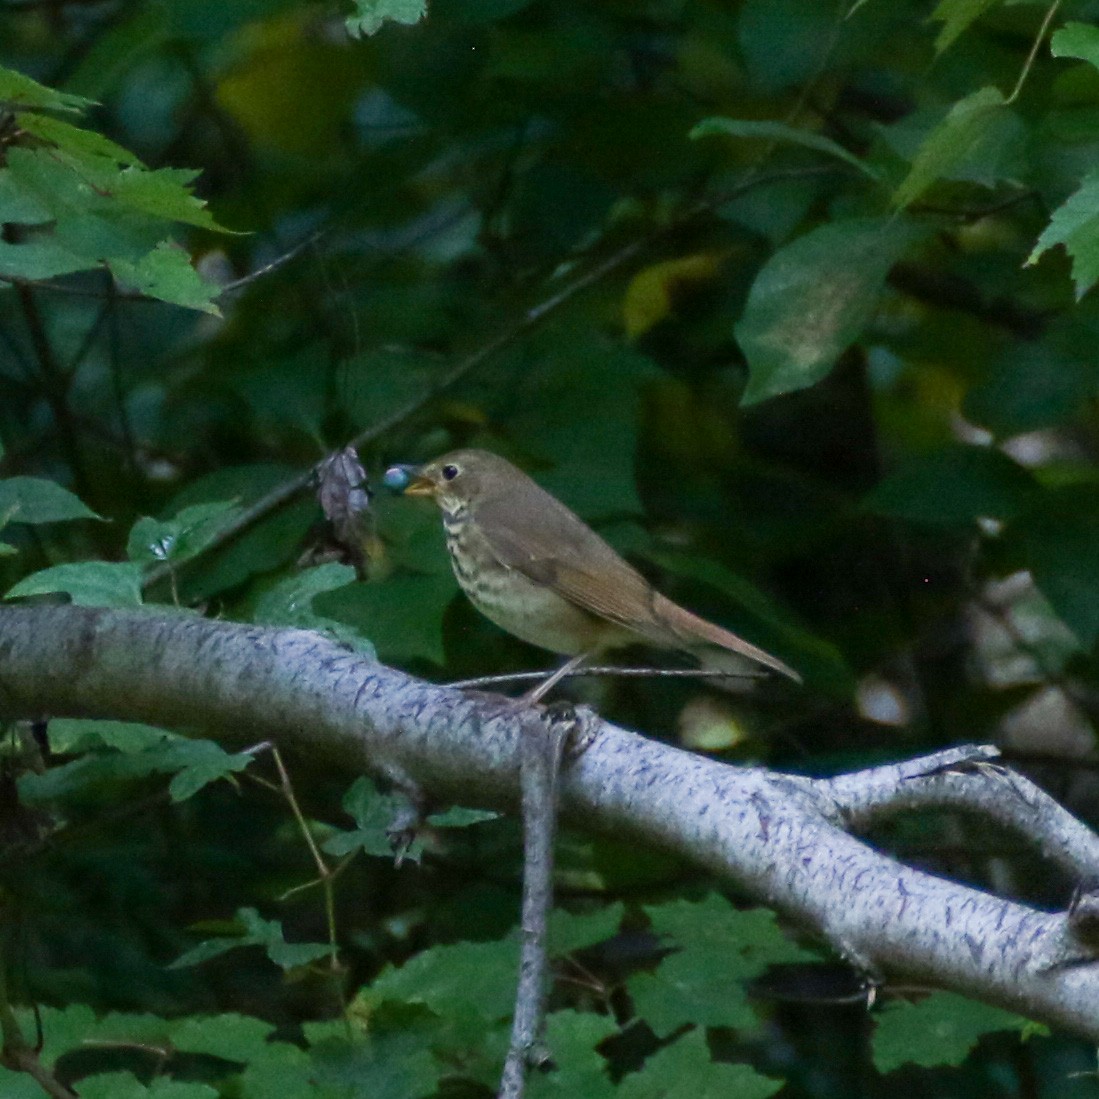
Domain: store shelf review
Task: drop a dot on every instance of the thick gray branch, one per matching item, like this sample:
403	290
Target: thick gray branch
776	837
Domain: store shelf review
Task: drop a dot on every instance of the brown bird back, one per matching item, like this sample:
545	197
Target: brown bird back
531	531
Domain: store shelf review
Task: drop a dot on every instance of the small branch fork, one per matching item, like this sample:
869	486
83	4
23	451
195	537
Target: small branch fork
971	780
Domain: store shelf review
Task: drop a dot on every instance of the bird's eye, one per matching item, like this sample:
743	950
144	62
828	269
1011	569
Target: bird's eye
450	472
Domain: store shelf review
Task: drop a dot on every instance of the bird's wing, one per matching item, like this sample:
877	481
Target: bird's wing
539	537
550	545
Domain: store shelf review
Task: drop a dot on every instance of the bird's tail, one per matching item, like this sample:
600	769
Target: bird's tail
692	633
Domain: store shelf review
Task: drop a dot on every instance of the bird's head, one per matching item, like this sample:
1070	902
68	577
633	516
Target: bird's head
452	481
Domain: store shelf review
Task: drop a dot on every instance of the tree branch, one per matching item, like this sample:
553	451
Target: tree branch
972	784
775	836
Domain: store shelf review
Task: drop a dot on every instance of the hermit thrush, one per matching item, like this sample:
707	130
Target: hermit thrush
540	572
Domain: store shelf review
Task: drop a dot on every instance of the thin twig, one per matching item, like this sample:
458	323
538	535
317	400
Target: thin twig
17	1053
275	264
541	746
55	386
608	670
1050	13
114	293
324	873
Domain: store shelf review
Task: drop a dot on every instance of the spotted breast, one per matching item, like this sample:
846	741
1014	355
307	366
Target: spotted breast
529	611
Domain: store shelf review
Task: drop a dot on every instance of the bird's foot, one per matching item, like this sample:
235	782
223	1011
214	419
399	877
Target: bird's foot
576	725
409	813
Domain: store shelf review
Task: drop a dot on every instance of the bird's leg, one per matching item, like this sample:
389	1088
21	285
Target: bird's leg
538	692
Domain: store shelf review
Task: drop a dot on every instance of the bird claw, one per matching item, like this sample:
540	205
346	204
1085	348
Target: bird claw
403	829
581	725
408	816
871	978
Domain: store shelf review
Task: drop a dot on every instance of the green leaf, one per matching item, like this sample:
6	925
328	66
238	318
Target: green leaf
117	173
954	486
166	273
1035	385
373	813
68	735
813	298
779	131
124	1085
106	207
229	1036
17	205
402	616
1076	40
262	546
206	762
579	1070
570	932
1075	224
576	385
81	142
164	194
377	385
87	583
18	1085
394	1064
38	259
956	16
285	1071
703	982
63	1029
1058	537
194	763
477	978
18	90
684	1070
459	817
186	534
34	500
290	603
972	141
940	1030
255	931
371	14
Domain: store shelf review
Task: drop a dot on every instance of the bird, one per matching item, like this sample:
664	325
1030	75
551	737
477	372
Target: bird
538	571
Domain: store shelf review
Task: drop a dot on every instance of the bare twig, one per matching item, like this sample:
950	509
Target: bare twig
541	747
325	875
55	386
113	293
18	1054
275	264
607	670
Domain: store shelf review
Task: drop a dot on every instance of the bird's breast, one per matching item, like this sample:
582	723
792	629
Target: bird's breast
530	611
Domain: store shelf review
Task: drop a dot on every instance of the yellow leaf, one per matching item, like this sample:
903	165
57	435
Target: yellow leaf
651	295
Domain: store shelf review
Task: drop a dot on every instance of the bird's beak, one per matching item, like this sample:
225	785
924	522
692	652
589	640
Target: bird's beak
408	481
419	485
